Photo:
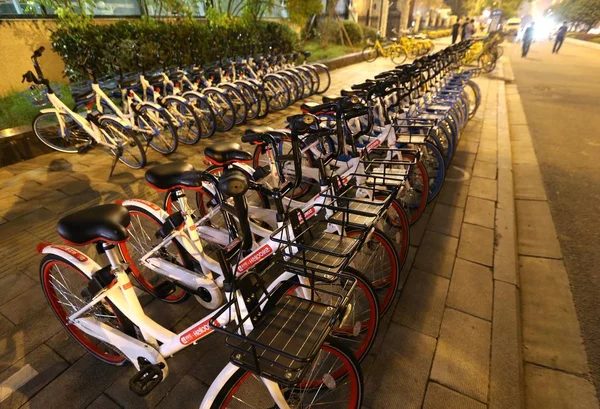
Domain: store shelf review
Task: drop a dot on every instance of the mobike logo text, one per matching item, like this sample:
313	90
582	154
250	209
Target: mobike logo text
254	258
196	333
307	214
373	144
72	252
147	203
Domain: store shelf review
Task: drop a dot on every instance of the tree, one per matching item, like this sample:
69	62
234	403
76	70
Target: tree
579	11
301	10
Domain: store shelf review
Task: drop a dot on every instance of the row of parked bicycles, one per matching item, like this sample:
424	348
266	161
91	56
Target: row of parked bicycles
293	242
128	113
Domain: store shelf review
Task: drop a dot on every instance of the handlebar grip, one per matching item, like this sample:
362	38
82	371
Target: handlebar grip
38	53
251	138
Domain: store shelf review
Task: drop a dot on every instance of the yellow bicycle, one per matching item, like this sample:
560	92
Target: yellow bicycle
393	50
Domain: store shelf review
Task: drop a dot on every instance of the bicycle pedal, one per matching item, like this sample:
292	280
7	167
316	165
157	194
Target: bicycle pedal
164	289
148	377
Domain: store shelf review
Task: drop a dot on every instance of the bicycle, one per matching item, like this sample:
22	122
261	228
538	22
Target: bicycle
393	50
64	130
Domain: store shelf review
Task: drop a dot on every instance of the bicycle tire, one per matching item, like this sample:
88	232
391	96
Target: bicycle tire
314	76
436	169
133	153
387	281
370	53
352	374
252	100
277	92
145	277
235	96
324	78
223	109
398	55
164	139
188	122
205	114
86	341
39	127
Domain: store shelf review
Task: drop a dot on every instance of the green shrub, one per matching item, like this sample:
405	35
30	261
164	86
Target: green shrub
369	33
433	34
354	30
151	44
329	31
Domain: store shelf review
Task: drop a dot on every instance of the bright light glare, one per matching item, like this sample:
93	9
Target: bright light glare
486	13
544	27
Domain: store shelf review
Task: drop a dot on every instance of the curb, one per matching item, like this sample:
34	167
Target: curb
582	43
506	366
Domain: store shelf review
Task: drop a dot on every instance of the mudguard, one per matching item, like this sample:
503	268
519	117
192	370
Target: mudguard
176	97
72	255
152	104
115	118
150	207
48	110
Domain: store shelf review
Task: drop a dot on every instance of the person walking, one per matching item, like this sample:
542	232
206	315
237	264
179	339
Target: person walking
470	29
560	37
463	33
527	39
455	29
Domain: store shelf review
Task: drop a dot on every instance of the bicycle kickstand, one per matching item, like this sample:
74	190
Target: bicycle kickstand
114	164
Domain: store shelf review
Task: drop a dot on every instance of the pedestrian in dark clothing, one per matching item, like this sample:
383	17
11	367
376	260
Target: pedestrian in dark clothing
463	33
455	28
560	37
527	39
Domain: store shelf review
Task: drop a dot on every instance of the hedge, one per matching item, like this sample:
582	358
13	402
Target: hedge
433	34
145	45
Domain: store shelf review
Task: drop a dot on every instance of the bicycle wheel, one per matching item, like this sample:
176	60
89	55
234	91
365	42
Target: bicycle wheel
370	53
263	109
132	151
334	380
188	123
142	232
235	96
205	114
324	77
66	289
158	124
307	81
71	139
379	262
277	92
433	161
413	195
394	224
314	77
294	85
397	55
487	62
251	99
223	109
473	97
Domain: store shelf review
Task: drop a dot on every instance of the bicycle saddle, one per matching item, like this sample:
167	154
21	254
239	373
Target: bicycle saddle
316	108
172	175
225	153
331	98
106	223
348	92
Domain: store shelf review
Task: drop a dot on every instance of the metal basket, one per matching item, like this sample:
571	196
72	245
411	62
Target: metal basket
278	333
37	95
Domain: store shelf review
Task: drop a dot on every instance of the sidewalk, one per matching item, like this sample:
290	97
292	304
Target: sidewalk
452	340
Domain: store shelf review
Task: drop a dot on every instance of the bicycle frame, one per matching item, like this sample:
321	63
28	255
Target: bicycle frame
100	137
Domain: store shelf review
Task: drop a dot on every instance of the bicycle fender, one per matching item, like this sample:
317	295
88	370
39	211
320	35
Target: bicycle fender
220	90
115	118
319	65
153	105
72	255
48	110
150	207
195	94
245	82
177	98
274	75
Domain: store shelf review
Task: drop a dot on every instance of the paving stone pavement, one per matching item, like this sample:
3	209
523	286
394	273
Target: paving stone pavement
435	348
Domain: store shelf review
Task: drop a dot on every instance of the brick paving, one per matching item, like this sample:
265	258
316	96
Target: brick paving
433	350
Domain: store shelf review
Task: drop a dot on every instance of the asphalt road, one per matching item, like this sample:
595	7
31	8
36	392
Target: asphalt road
561	98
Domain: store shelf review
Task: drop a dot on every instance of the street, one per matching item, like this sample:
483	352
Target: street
560	95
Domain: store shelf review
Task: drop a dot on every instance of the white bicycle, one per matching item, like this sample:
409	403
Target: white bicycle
283	353
64	130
